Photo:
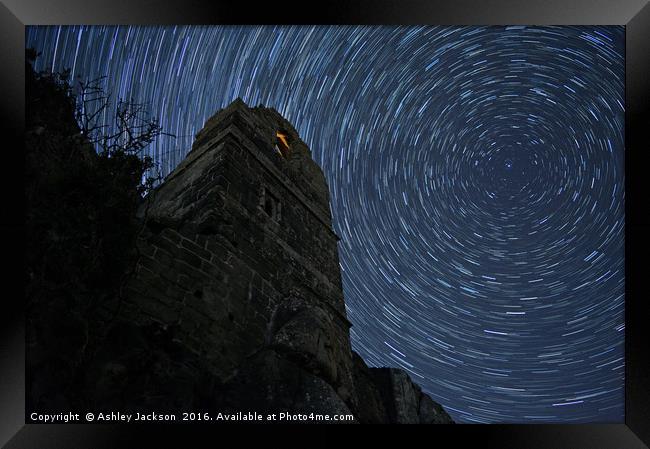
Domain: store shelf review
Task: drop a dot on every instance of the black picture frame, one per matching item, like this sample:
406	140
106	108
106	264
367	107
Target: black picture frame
634	14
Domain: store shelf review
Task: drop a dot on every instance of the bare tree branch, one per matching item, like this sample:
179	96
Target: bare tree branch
132	130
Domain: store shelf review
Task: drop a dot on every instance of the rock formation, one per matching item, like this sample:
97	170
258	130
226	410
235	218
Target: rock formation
239	280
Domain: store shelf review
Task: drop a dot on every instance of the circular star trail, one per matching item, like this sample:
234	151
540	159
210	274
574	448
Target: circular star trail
476	178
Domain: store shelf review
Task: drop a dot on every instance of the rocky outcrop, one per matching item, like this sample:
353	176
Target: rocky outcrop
389	396
239	269
407	403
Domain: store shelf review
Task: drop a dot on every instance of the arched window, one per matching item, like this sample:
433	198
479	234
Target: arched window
282	143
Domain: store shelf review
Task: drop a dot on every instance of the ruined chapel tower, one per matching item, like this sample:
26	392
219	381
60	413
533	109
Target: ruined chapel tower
239	264
241	254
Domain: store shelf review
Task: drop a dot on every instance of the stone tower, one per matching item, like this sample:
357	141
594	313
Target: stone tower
238	255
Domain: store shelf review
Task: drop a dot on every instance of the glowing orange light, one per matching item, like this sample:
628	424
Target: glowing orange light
285	143
283	138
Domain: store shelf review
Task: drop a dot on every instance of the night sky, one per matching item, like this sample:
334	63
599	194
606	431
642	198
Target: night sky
477	184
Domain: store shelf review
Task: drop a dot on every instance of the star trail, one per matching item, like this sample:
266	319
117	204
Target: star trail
476	178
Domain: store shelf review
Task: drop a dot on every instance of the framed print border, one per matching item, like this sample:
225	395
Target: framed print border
634	14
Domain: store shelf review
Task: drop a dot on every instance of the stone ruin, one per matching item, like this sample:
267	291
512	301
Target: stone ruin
239	258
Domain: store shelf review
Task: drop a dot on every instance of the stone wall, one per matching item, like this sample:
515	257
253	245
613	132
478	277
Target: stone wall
238	255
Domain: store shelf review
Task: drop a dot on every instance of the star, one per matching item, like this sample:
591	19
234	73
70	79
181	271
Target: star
503	300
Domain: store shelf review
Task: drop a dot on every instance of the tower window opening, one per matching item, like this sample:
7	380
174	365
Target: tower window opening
270	205
282	143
